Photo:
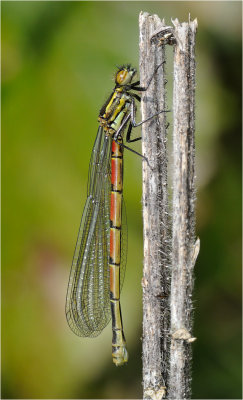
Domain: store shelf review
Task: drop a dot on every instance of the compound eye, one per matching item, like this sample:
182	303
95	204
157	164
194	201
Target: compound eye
121	76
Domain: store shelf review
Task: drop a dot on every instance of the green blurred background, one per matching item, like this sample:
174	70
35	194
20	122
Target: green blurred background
58	60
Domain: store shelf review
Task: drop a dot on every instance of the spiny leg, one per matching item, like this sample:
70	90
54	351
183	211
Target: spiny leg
135	86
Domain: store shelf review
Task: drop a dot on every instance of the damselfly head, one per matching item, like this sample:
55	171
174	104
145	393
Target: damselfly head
125	75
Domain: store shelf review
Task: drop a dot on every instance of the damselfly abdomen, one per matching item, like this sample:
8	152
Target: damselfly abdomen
98	266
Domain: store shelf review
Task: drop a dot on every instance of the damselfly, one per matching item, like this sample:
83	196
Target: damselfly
98	266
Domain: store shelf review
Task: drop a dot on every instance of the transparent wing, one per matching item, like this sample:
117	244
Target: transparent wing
88	295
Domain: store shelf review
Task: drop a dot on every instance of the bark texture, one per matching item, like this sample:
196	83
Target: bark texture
170	249
184	248
155	214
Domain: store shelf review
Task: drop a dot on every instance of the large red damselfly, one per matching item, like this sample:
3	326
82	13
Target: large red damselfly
99	260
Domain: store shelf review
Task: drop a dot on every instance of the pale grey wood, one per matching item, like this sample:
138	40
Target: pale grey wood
184	248
155	215
167	348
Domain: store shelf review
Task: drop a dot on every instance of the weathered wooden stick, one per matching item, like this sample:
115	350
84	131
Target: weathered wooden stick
155	214
184	248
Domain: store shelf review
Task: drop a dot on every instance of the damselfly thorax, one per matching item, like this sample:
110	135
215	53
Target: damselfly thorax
118	106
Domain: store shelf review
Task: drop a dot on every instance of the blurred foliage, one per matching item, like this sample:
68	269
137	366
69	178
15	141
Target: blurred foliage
57	61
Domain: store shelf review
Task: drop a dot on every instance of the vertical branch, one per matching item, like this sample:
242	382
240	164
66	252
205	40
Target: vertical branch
155	214
184	248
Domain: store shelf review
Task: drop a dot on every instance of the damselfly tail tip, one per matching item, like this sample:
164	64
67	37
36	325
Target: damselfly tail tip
120	355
